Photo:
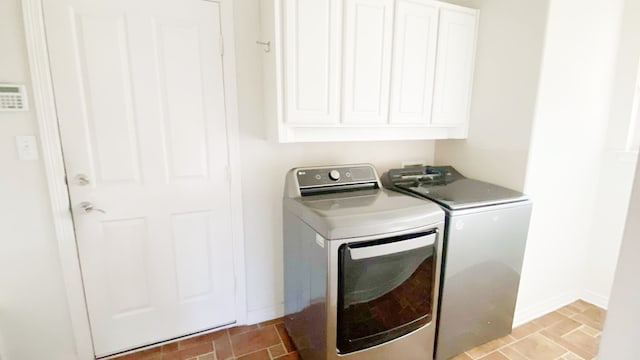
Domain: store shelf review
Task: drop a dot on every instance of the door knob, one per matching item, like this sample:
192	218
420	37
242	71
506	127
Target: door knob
88	207
82	179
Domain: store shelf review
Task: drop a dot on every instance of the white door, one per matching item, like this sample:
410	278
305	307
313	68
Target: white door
312	58
454	66
414	61
141	107
367	61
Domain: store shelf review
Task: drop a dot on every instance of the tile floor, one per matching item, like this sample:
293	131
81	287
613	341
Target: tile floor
569	333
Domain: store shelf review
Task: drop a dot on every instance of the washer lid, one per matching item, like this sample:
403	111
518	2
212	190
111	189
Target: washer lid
465	193
363	213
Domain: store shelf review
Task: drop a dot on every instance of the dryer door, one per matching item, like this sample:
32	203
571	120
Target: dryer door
385	289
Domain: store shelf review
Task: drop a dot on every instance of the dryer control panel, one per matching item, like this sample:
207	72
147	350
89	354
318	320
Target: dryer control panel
336	178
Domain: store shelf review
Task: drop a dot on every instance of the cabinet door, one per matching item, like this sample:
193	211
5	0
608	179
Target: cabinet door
414	61
312	61
454	66
367	60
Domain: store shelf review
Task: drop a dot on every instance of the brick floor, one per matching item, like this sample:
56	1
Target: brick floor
264	341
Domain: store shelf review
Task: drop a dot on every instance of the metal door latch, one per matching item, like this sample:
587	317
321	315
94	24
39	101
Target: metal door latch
82	179
88	207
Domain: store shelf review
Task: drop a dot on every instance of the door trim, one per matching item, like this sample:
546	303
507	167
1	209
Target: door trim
52	156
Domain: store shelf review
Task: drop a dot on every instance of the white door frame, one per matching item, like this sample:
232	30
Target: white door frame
45	109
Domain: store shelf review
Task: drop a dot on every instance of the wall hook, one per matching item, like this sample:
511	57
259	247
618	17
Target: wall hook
267	45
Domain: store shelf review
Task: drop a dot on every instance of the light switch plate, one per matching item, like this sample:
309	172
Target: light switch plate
27	147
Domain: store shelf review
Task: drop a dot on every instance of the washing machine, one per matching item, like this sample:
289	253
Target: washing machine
361	266
485	236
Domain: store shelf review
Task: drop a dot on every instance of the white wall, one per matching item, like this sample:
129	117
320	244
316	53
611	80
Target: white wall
509	53
572	250
617	167
576	76
34	320
622	325
567	148
264	164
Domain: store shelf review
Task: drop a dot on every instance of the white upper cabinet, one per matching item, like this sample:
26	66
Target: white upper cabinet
312	51
456	50
414	62
367	58
363	70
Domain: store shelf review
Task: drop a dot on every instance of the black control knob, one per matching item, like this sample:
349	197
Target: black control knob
334	175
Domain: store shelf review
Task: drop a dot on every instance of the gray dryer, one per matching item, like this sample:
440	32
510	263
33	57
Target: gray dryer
361	266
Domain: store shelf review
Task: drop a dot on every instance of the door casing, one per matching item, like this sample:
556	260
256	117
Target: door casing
51	148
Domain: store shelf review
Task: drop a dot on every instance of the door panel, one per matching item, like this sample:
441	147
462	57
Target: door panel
182	90
312	52
414	59
109	115
140	99
191	236
126	241
367	54
454	66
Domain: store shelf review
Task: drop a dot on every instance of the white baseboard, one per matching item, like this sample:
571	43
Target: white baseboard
543	308
595	299
264	314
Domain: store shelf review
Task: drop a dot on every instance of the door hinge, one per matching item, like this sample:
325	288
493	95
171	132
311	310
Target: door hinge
221	45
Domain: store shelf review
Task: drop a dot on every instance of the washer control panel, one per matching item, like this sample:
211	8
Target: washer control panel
335	175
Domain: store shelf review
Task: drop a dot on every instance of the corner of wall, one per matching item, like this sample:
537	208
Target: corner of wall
535	311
